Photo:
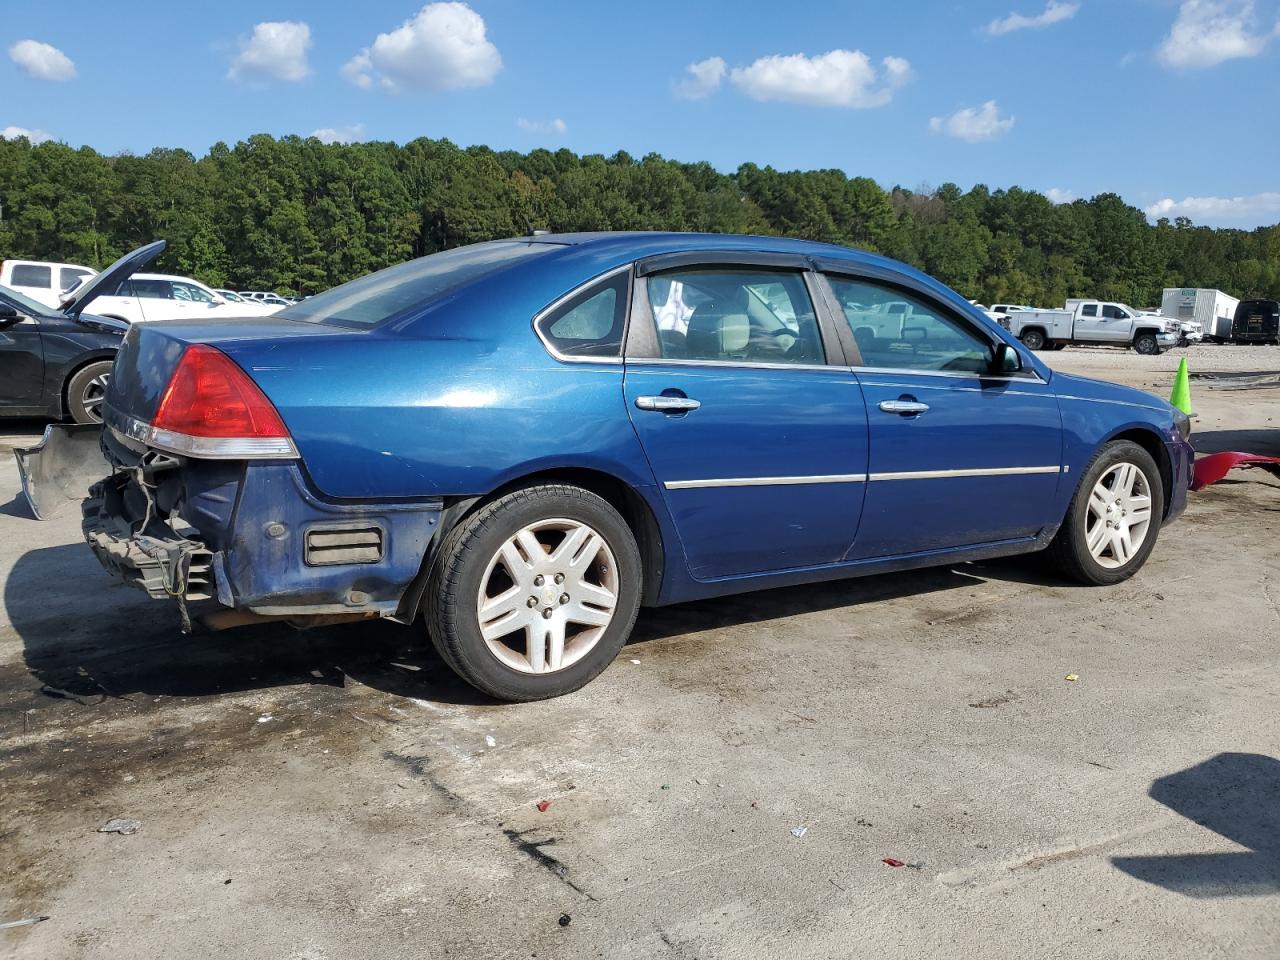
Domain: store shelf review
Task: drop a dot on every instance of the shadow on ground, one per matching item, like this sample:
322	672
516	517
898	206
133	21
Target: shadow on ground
87	638
1236	795
1261	441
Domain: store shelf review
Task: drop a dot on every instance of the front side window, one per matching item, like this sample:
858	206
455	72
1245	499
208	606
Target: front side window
189	291
734	316
1112	312
68	277
896	330
591	323
32	275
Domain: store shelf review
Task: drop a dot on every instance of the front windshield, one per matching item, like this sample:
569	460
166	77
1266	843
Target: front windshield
26	304
397	290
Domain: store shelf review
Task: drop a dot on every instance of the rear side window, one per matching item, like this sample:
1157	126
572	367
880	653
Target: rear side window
152	289
1089	310
591	323
734	316
31	275
401	290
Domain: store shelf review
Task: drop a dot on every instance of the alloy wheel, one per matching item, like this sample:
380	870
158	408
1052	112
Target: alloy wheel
547	596
1119	515
95	393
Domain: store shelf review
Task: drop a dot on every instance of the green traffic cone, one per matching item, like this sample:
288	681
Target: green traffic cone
1181	396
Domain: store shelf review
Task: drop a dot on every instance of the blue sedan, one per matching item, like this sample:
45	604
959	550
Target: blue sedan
521	443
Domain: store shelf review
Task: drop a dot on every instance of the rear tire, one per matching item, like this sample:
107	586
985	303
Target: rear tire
87	390
1146	344
534	594
1088	548
1033	339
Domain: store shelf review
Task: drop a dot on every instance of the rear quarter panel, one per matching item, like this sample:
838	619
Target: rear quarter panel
387	416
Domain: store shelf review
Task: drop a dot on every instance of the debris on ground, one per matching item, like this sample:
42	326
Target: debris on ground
543	806
666	786
891	862
700	780
798	832
1073	677
489	740
123	825
265	718
22	923
565	920
636	662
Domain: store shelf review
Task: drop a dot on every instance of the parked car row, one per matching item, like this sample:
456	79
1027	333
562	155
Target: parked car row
49	283
1185	317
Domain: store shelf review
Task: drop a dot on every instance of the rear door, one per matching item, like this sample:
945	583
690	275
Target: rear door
759	446
1089	322
958	456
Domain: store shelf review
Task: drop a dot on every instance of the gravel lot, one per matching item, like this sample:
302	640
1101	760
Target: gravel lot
333	794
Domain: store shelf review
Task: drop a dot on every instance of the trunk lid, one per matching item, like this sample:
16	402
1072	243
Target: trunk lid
151	351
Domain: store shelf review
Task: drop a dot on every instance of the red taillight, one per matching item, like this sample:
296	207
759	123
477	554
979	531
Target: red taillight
209	396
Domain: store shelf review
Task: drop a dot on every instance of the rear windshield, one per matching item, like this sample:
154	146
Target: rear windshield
400	290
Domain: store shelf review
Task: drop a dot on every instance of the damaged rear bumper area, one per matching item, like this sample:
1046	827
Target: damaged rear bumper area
238	541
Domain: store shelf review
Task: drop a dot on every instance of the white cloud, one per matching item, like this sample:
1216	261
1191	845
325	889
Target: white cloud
1261	208
1207	32
42	61
1054	12
442	48
1058	195
973	123
703	79
556	127
841	78
35	136
276	51
351	134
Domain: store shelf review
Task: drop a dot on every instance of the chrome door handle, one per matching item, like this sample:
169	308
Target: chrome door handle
667	404
903	406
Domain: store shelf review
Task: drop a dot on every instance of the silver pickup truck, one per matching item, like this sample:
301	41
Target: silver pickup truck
1093	321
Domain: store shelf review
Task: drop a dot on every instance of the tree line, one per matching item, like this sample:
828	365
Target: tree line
297	215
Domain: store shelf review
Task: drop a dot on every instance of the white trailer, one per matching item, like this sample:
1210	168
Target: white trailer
1212	309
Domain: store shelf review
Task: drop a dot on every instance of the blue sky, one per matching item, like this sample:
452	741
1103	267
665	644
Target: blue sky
1146	98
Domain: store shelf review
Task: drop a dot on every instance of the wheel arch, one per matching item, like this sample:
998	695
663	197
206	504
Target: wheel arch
1151	441
635	510
70	372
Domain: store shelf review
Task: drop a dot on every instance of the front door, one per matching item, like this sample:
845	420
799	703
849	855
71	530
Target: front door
759	447
958	457
21	358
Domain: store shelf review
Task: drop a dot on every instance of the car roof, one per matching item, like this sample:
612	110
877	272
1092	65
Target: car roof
167	276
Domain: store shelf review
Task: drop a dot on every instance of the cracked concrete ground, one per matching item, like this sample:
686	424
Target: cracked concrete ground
331	794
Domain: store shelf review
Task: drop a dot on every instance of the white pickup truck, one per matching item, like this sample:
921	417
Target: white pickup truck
1092	321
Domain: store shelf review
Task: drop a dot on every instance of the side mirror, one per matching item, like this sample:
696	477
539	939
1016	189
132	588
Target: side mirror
1006	360
8	316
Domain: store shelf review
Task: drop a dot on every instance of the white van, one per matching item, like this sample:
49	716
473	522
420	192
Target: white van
41	280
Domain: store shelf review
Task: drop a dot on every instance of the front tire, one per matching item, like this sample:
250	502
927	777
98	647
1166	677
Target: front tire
1114	518
87	391
534	594
1146	344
